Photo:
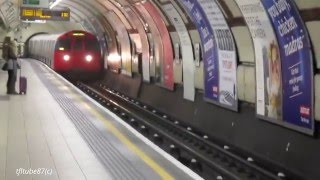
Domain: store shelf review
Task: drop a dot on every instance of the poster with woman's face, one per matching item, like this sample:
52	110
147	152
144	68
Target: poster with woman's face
267	59
274	86
296	65
284	74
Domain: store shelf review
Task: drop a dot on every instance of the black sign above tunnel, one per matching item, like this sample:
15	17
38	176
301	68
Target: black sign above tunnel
31	14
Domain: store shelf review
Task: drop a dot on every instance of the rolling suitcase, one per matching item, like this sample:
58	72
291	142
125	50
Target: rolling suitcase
22	83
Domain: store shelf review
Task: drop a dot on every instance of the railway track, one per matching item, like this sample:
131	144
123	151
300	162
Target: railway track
210	158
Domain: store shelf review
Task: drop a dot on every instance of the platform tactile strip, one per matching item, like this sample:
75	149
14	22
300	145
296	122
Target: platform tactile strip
114	162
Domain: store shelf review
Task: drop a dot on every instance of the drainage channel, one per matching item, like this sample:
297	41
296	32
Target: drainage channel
195	150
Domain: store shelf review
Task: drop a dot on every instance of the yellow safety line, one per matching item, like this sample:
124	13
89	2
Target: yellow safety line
155	166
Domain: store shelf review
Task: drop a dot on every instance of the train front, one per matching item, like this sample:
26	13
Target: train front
77	55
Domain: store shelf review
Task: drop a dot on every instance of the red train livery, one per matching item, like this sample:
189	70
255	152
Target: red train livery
70	53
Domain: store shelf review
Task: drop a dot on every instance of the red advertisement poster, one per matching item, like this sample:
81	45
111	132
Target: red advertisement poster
167	61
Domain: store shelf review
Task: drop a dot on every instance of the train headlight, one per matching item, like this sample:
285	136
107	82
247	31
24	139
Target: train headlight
89	58
66	57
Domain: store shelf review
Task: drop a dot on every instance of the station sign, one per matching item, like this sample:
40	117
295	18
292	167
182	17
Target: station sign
31	14
31	2
36	3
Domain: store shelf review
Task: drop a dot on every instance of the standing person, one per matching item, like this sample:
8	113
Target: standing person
5	48
13	66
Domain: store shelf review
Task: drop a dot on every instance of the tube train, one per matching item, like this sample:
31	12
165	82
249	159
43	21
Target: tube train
75	54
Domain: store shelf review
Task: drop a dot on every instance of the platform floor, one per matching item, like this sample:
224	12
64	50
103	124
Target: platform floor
57	132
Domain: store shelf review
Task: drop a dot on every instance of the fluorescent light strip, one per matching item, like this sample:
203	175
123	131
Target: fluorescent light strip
55	3
35	21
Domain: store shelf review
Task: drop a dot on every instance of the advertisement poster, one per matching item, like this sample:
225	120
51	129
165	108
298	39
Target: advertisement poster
296	64
209	49
87	25
124	40
186	51
9	14
144	44
166	63
154	41
227	58
267	58
111	49
99	30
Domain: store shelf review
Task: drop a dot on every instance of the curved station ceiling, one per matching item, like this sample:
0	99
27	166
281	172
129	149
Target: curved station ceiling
98	16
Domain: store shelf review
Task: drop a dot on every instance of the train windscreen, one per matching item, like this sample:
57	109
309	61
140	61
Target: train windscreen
92	45
63	45
78	41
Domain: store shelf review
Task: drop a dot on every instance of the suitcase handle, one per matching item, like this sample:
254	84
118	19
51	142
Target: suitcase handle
19	60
